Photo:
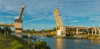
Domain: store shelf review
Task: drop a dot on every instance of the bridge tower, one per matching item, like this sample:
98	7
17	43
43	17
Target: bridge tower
18	24
60	28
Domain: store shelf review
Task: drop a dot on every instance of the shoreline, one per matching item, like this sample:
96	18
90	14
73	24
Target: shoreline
90	37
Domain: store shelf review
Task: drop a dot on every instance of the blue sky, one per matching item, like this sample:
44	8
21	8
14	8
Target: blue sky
39	13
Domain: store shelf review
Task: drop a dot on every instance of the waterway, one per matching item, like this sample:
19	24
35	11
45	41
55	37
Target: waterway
58	43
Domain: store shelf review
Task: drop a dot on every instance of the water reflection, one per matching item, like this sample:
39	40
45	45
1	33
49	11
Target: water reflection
95	41
77	40
60	43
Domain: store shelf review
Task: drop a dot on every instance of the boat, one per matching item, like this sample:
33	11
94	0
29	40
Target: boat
41	37
26	36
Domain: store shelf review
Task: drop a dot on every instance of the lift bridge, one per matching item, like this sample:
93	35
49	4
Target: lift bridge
18	24
61	29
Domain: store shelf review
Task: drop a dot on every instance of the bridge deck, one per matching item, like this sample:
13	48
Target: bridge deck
9	25
81	27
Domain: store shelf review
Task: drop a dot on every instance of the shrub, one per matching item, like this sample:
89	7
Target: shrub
41	45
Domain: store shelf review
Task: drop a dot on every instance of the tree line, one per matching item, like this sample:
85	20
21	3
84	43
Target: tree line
8	29
5	29
34	31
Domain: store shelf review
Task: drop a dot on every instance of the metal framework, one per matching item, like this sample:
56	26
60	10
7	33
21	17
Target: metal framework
58	17
21	12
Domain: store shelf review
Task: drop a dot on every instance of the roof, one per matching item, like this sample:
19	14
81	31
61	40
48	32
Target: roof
17	20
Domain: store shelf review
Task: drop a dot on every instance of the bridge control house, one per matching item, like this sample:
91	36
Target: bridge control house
18	28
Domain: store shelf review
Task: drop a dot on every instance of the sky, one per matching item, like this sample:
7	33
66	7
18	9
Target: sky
38	14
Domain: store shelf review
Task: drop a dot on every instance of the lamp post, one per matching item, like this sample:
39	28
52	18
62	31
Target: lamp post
28	34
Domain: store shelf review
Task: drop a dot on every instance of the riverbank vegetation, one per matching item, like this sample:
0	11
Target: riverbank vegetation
52	32
43	32
12	42
93	37
34	31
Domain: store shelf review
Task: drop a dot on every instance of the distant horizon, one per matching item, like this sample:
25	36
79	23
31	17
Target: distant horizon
38	13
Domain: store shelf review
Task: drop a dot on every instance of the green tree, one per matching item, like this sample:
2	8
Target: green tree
41	45
54	29
6	29
0	29
33	30
24	31
42	31
83	31
28	30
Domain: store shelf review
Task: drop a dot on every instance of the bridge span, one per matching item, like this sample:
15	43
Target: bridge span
61	29
93	29
8	25
82	27
18	23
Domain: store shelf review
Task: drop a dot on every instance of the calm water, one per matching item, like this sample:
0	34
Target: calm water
58	43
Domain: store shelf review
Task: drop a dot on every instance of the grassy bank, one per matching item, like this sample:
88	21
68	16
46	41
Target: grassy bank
84	36
12	43
93	37
18	43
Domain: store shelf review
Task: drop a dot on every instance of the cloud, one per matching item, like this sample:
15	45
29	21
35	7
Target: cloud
43	10
35	8
51	17
67	7
95	18
8	17
65	18
32	20
3	17
74	21
16	17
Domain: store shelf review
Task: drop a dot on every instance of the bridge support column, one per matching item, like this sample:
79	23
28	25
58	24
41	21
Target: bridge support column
99	31
95	31
61	31
77	31
92	31
18	28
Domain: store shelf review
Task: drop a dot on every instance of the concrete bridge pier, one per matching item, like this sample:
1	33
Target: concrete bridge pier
77	31
95	31
88	31
61	31
92	31
99	31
